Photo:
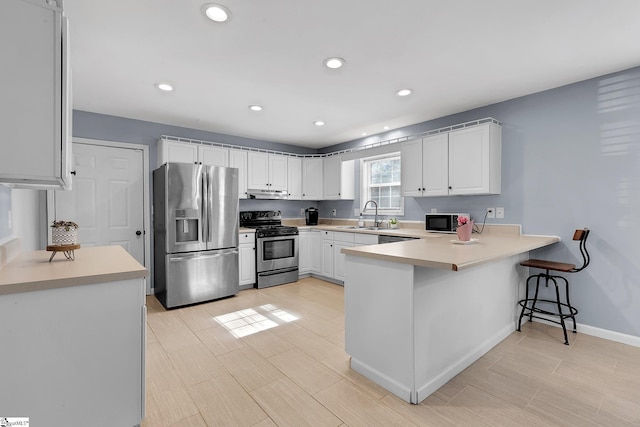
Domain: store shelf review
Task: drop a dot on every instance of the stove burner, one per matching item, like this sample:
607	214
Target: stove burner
266	223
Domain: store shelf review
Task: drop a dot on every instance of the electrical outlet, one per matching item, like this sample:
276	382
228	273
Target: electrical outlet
499	212
10	220
491	213
334	212
301	211
434	210
356	212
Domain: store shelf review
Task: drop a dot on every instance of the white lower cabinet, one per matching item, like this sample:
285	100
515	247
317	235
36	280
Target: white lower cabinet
321	252
74	355
326	252
304	251
341	240
365	239
247	260
309	250
315	247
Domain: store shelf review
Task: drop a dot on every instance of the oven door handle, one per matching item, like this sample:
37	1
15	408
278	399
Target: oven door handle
274	238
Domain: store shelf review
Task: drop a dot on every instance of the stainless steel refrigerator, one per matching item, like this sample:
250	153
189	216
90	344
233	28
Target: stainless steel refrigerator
195	216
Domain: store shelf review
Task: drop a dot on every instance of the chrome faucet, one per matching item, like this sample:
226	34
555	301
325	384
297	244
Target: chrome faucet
375	220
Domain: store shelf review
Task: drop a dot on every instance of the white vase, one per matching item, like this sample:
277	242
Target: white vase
61	236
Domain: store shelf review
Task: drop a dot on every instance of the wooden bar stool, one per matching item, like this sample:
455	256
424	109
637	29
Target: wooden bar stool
563	310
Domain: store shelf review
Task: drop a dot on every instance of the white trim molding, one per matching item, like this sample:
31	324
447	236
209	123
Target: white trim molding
596	332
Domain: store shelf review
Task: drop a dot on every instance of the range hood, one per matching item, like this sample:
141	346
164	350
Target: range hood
267	194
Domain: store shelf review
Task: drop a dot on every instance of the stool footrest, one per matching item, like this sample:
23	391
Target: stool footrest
523	303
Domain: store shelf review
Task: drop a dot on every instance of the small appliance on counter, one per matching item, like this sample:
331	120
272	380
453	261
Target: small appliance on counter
443	222
311	216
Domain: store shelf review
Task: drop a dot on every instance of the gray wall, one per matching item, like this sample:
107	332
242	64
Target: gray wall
571	159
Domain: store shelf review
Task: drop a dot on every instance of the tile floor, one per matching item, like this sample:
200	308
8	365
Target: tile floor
275	357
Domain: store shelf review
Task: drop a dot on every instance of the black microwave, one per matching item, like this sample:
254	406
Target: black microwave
443	222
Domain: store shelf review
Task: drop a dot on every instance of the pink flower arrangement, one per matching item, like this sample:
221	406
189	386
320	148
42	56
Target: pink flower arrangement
462	220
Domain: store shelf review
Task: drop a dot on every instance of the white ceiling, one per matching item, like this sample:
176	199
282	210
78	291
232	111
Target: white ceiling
456	55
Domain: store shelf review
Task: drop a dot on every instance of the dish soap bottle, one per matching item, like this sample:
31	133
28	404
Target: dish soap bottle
361	221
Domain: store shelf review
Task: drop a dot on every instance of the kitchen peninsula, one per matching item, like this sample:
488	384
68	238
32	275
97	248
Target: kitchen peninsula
419	312
73	338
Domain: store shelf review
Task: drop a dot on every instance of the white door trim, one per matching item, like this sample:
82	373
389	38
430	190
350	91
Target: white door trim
148	227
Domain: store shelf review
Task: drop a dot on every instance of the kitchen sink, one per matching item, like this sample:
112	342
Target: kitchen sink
354	227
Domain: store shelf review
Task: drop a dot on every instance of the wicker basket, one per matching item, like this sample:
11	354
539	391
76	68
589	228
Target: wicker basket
61	236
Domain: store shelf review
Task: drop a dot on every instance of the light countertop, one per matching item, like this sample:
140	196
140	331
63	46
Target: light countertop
440	252
32	271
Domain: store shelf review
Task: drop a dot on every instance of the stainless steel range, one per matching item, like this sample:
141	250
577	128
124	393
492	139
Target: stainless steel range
276	247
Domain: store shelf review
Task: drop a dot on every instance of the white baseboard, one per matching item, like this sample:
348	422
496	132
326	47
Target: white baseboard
400	390
597	332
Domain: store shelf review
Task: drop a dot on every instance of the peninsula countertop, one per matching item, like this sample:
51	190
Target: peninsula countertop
32	271
440	252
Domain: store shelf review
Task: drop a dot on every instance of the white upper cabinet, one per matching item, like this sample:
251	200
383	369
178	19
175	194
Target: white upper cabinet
183	152
425	168
312	178
475	160
267	171
35	105
435	169
238	159
213	156
460	162
411	168
339	179
294	178
176	152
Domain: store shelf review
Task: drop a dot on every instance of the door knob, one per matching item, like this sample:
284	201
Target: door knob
138	233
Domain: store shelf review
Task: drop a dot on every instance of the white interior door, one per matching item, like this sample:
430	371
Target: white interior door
107	197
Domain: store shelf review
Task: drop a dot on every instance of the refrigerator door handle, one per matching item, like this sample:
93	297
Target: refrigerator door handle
203	255
205	206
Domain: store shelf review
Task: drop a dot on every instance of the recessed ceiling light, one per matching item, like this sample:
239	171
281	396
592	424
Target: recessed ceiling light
386	128
255	108
364	134
216	12
404	92
164	86
319	123
334	63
